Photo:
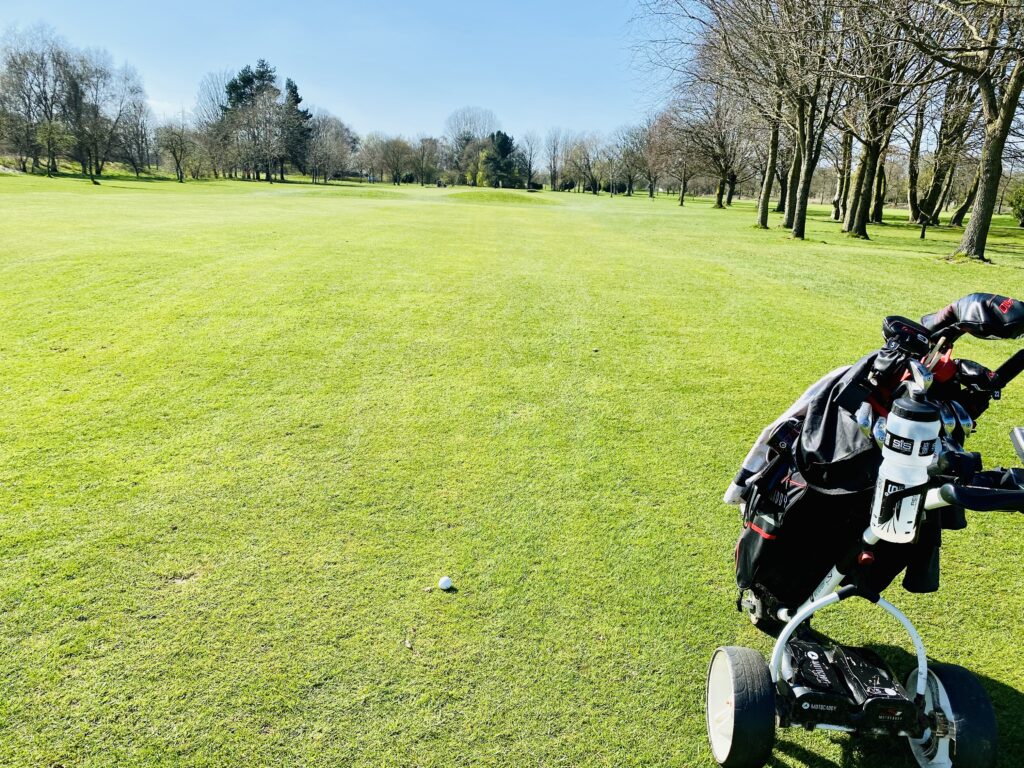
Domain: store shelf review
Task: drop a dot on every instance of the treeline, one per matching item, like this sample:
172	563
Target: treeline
915	97
59	104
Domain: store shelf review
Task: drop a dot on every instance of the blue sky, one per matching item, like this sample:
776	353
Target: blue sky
398	67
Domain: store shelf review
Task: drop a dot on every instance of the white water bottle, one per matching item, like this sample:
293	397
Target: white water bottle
911	434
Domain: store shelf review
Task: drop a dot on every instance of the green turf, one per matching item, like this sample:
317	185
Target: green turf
245	428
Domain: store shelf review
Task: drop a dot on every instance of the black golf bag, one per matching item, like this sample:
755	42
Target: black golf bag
806	488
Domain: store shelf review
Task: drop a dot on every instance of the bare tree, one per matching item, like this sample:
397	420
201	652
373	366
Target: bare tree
718	136
175	138
370	157
529	154
330	147
213	128
396	155
673	136
426	157
137	136
553	147
584	159
984	40
881	68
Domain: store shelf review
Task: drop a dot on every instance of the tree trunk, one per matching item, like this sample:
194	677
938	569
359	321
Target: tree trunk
862	203
812	136
957	219
802	197
792	182
847	181
682	191
842	177
857	188
912	164
782	174
769	177
731	187
881	188
990	174
721	193
943	196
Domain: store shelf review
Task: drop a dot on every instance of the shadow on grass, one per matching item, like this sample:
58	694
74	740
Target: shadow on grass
869	752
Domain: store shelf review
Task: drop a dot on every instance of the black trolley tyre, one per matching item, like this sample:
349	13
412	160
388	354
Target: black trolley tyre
740	708
973	736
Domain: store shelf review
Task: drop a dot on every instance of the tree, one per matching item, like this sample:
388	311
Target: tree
584	157
213	123
553	147
18	105
673	137
33	98
718	136
396	155
329	147
466	130
256	116
983	40
137	136
881	67
629	143
175	138
758	52
529	156
498	161
296	130
1017	205
370	157
426	159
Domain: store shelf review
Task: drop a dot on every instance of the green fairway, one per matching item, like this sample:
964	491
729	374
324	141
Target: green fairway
246	428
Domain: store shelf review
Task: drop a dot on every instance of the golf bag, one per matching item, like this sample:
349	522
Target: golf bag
806	487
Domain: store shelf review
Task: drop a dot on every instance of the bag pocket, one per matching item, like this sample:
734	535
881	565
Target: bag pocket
770	498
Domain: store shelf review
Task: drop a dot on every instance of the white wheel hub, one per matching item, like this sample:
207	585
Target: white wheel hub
931	750
721	706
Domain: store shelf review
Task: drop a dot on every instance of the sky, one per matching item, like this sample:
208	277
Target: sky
395	66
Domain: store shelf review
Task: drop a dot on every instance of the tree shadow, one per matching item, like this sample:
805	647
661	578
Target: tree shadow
870	751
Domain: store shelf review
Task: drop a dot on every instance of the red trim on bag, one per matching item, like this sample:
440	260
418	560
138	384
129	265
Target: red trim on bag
763	534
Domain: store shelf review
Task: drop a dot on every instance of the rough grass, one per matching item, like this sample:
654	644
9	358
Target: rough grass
246	428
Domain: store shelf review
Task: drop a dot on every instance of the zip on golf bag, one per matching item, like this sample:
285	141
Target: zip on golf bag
806	487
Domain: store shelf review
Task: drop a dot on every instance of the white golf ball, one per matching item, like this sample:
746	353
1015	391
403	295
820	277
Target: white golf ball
445	583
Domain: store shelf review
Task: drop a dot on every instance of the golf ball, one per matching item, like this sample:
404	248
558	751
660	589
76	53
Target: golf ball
445	583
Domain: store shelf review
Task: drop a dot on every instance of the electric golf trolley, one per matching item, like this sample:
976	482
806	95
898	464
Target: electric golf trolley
809	682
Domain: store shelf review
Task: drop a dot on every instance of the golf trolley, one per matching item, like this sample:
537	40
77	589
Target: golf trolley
809	682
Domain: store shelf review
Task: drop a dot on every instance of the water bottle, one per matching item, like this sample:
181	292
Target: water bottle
911	435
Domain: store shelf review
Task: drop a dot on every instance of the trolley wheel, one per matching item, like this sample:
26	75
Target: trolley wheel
740	708
971	737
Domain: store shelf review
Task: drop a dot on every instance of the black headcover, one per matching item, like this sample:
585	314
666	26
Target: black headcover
984	315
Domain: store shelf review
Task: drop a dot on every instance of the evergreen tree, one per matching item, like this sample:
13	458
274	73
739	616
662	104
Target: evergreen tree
297	128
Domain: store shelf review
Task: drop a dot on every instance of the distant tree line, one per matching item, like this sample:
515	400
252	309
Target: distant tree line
909	102
865	105
57	102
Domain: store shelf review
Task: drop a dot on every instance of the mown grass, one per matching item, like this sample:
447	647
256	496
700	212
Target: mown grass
246	428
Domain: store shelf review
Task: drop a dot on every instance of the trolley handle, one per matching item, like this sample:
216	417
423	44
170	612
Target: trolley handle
1009	370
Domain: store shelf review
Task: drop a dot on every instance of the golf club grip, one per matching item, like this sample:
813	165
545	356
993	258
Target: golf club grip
1009	370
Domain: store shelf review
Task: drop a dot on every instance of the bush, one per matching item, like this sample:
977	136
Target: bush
1017	204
